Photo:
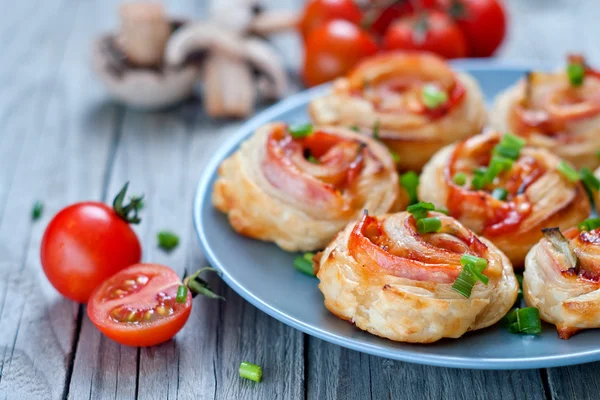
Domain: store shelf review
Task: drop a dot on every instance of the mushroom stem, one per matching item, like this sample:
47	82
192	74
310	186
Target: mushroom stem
228	87
144	32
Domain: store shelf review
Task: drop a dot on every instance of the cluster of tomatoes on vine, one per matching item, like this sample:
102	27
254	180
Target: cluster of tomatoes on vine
337	34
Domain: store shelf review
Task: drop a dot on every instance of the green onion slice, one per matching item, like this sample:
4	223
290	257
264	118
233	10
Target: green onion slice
376	130
251	371
569	172
167	240
561	244
576	73
395	156
313	159
589	180
420	210
304	264
38	209
299	131
480	178
429	225
523	320
460	178
182	292
589	224
509	147
472	272
500	193
433	97
410	182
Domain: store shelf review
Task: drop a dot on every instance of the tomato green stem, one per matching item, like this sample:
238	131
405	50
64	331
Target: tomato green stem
124	211
199	286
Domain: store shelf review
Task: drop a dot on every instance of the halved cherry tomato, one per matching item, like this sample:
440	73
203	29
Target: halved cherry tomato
317	12
138	307
430	31
484	24
84	244
334	49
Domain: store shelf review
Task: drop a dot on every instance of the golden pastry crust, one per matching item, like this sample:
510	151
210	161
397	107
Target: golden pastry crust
271	192
566	297
407	294
554	116
539	195
385	91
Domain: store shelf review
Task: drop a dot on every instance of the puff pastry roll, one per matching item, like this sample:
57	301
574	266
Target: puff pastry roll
298	190
385	277
562	279
558	111
414	102
507	200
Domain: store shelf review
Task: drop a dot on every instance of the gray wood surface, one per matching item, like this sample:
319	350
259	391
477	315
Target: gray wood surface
62	140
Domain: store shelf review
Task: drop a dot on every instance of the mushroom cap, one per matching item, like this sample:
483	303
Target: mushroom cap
142	88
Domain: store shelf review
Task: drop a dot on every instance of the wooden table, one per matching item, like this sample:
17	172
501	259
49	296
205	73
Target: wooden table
62	140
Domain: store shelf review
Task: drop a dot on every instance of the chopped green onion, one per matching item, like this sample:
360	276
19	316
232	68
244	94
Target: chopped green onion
420	210
251	371
500	193
410	182
598	154
472	271
497	165
480	178
395	156
376	130
299	131
460	178
523	320
520	293
576	73
589	224
589	180
443	211
562	245
355	128
510	146
433	97
167	240
304	264
429	225
569	172
182	292
36	212
313	159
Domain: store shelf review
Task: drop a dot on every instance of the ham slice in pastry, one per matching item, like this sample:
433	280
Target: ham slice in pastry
535	194
550	112
384	96
382	275
562	279
300	191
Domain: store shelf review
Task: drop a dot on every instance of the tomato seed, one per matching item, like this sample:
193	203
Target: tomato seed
148	315
161	310
142	280
132	316
129	283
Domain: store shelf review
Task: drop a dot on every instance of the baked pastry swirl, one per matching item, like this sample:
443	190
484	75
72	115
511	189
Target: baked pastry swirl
513	204
382	275
562	279
390	94
300	191
555	111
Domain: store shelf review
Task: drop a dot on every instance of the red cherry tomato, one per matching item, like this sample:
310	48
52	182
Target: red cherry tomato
333	49
430	31
138	307
84	244
317	12
385	17
484	24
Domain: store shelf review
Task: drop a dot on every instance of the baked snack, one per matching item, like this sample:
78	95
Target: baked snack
558	111
504	192
562	278
298	186
413	102
384	276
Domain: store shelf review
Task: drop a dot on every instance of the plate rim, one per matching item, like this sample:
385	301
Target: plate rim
202	195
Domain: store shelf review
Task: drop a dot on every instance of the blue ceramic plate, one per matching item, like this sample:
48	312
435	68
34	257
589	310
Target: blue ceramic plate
264	275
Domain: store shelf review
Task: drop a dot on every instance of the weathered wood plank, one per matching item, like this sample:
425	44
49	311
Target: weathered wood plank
576	382
43	155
